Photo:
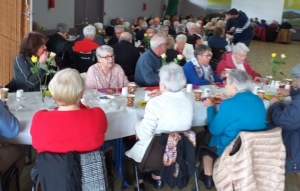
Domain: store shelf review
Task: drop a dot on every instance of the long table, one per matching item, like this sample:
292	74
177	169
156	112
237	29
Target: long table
121	119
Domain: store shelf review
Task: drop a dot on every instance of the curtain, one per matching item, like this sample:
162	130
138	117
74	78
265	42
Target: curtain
172	7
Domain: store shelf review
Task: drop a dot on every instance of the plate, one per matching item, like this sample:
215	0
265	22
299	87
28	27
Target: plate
141	104
268	96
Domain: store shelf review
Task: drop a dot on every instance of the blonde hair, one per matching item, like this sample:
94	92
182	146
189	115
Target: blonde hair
67	87
171	42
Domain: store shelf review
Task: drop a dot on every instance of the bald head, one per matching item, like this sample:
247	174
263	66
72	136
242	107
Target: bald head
126	36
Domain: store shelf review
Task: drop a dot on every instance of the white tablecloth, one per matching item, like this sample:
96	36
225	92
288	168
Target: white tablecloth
121	119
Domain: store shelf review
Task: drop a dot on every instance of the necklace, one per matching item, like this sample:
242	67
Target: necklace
105	77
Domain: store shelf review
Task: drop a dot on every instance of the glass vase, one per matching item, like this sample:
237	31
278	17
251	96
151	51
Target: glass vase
43	89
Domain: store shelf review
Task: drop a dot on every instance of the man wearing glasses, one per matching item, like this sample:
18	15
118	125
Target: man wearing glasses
198	70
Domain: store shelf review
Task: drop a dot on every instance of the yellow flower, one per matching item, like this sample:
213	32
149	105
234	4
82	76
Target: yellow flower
273	55
283	56
99	31
34	59
52	54
145	35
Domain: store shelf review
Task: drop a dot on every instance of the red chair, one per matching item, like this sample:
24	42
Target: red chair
260	33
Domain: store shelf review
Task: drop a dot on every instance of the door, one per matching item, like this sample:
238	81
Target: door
15	26
90	11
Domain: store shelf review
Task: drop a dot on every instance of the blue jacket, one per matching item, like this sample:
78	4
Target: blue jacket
9	124
192	77
217	42
146	70
288	118
243	28
243	112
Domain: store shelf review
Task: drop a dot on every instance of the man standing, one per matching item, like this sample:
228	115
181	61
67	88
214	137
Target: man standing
126	55
146	72
88	44
242	30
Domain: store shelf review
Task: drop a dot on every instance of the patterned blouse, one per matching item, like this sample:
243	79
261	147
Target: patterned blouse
96	79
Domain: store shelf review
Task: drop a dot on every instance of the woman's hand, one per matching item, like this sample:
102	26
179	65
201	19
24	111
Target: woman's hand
229	36
208	103
221	96
283	92
274	100
232	29
154	93
43	57
258	79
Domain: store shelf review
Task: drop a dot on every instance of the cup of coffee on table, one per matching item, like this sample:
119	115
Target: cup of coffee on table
4	93
197	94
261	93
130	100
131	88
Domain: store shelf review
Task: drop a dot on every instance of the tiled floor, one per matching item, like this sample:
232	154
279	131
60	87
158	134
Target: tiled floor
260	53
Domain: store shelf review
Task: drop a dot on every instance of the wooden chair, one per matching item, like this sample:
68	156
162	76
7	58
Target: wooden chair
284	36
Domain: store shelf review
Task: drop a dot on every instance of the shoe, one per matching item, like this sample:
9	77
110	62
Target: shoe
207	180
142	187
158	184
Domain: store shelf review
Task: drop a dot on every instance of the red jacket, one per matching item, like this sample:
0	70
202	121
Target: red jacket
227	62
63	131
86	45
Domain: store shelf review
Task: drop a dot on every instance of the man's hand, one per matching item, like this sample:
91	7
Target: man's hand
283	92
208	103
274	100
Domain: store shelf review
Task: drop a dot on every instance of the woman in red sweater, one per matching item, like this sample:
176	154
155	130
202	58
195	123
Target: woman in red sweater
237	60
72	127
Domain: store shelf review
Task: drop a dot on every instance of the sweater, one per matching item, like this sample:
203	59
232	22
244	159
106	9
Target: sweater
217	42
243	28
9	124
85	46
243	112
64	131
227	62
192	76
146	71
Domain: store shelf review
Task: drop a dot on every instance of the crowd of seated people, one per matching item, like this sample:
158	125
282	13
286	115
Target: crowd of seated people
147	69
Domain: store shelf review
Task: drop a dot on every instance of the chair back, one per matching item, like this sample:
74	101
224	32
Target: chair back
82	61
217	54
260	33
284	36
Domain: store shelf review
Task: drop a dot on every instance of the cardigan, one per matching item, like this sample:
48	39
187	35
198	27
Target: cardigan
217	42
243	112
169	112
146	70
9	124
192	76
85	46
64	131
227	62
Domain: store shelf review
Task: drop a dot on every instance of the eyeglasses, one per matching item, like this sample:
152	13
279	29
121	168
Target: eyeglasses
207	55
242	55
108	57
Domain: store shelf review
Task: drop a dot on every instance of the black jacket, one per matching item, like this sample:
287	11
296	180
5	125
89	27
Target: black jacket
57	44
171	55
140	34
126	55
110	31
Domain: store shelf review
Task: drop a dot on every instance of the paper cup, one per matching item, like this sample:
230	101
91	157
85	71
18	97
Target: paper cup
189	88
130	100
124	91
288	81
131	88
197	94
287	86
147	97
261	93
4	93
19	94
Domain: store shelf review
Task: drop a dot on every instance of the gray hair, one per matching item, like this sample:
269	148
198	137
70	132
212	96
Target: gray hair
125	36
157	40
180	28
172	76
62	27
181	37
240	47
241	79
119	27
98	26
184	21
166	23
201	49
144	25
164	27
198	25
126	24
89	31
190	24
105	48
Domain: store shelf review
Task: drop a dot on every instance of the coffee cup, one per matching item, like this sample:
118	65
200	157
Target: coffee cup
255	89
131	88
261	93
130	100
189	88
4	93
197	94
124	91
287	86
19	94
147	97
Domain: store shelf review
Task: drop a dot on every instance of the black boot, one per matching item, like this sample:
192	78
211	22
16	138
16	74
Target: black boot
158	184
142	187
207	180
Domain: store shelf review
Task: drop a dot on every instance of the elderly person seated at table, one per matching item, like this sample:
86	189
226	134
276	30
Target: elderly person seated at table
171	53
88	44
240	110
33	44
105	73
217	41
185	49
237	60
287	117
76	128
192	37
172	111
198	71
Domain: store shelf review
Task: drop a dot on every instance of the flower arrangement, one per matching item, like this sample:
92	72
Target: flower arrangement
207	31
100	32
36	67
275	64
146	41
177	60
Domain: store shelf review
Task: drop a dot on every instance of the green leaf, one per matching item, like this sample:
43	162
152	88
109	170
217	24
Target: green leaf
34	70
49	59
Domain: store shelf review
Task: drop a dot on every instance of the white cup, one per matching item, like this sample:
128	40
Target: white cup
124	91
255	89
206	93
147	97
189	88
277	84
287	86
19	94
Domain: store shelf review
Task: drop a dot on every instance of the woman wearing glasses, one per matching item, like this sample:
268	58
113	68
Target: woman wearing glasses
198	70
105	73
237	60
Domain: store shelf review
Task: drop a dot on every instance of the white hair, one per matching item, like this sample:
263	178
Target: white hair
198	25
240	47
184	21
172	76
119	27
166	23
125	36
105	48
62	27
98	26
144	25
126	24
190	24
89	31
241	78
181	37
180	28
157	40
